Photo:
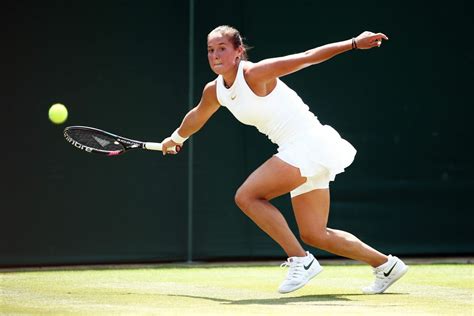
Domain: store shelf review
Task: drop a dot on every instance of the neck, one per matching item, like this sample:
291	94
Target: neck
230	76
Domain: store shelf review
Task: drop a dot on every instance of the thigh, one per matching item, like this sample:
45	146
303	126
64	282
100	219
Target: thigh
311	210
272	179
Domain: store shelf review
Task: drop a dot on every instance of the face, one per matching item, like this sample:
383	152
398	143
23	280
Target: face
221	54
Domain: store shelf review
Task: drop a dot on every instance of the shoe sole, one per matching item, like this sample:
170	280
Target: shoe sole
402	273
302	284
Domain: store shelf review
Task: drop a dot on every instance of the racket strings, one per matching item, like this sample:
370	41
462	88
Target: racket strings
95	140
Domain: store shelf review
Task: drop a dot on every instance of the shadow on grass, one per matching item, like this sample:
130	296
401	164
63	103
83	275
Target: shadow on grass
326	298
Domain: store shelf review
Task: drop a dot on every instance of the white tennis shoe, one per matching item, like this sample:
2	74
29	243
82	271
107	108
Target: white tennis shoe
386	275
301	270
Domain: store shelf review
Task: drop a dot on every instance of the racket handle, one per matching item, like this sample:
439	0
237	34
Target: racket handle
157	146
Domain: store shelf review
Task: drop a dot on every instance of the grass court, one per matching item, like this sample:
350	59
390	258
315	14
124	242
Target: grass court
231	289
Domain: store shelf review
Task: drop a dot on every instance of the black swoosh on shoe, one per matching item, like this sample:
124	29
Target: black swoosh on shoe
386	274
309	265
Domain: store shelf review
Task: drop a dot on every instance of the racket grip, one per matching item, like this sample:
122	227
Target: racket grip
157	146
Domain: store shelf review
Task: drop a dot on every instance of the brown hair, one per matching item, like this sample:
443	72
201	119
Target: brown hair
234	37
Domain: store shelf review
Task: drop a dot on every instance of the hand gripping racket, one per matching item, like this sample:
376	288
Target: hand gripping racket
97	141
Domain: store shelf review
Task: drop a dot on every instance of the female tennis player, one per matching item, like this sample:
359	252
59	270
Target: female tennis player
309	156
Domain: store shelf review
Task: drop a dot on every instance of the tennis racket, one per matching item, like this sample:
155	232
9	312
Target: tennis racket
93	140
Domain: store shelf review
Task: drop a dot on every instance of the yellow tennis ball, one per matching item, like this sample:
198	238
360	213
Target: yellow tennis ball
57	113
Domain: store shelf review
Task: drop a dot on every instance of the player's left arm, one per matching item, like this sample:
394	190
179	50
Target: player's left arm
269	69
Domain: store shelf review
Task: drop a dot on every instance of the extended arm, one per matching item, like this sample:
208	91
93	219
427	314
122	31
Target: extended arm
272	68
195	119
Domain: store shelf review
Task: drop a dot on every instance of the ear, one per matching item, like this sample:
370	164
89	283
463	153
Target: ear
240	51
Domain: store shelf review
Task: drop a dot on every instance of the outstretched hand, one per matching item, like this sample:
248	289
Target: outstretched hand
367	40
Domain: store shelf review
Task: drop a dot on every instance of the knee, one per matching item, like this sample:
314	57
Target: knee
242	199
246	200
315	238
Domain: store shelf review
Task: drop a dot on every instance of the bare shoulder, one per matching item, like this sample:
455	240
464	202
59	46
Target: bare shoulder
259	78
209	94
248	68
210	87
259	72
251	72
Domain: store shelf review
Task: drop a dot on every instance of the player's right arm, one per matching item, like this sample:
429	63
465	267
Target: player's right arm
197	117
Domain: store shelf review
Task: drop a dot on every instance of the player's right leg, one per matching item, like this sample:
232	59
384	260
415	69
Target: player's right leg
274	178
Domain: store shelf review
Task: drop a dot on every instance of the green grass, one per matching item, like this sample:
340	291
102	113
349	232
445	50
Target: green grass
233	290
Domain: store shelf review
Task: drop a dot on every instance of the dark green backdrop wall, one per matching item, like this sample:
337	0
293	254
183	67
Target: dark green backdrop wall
124	66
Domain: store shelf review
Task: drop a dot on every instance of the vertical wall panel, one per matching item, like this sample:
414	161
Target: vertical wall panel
117	65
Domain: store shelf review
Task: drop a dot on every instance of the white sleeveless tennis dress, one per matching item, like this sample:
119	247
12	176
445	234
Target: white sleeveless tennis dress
317	150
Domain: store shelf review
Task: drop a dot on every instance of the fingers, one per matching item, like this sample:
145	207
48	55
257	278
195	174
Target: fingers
385	37
374	35
173	151
376	39
165	149
367	40
170	150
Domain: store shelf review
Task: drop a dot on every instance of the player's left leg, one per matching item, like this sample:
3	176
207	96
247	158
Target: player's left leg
312	211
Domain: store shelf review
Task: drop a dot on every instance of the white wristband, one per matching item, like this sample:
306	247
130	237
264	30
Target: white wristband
177	138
